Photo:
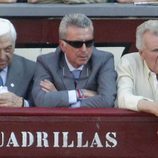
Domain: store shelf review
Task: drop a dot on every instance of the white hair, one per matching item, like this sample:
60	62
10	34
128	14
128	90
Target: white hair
74	19
150	25
6	27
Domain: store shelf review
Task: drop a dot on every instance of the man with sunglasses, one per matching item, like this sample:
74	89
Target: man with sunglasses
77	74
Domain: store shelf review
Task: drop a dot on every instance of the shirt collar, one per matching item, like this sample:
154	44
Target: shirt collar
71	68
5	70
148	71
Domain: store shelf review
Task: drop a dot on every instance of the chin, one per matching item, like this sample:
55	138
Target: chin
85	62
3	66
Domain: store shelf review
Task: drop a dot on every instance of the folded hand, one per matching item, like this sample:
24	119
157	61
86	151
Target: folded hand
47	86
9	99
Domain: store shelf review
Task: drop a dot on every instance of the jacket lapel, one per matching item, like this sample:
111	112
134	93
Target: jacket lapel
84	77
66	75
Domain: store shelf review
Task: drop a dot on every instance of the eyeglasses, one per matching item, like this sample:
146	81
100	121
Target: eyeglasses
79	44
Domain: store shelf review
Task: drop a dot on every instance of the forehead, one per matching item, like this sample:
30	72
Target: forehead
150	38
6	40
77	32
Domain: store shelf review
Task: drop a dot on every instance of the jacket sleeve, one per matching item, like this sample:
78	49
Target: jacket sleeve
106	85
47	99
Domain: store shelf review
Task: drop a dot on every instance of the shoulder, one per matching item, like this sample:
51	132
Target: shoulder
130	63
101	56
47	56
21	60
52	56
131	58
23	63
99	53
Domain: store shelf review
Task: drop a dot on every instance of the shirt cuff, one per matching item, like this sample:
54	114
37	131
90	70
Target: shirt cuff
26	103
76	105
72	96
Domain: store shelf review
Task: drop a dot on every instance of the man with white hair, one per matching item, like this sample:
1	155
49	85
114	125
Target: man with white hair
137	72
16	72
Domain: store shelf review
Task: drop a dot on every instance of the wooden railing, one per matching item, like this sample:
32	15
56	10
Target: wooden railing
76	133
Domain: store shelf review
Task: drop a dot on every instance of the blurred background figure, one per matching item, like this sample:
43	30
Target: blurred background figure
12	1
132	1
69	1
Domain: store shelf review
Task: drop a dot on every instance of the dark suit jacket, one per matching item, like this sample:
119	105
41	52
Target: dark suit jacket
97	75
20	76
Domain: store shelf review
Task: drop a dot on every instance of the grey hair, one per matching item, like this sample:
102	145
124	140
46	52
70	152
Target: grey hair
76	19
9	28
150	25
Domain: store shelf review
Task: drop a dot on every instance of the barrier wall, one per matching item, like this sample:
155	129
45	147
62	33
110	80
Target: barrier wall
76	133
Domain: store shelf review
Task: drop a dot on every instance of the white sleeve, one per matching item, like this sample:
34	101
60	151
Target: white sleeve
72	96
76	105
26	103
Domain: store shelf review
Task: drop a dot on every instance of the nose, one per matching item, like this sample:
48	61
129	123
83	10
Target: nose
2	54
84	48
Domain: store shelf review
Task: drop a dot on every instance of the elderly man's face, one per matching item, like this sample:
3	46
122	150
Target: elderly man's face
78	56
6	50
150	50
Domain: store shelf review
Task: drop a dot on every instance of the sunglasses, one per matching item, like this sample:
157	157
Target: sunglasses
79	44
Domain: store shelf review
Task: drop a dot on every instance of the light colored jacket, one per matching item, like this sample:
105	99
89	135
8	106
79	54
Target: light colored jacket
135	82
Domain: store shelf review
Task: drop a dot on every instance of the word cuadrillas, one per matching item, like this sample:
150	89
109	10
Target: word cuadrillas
57	139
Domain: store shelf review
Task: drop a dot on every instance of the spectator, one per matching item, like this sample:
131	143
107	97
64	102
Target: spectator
12	1
56	85
137	72
68	1
133	1
16	72
57	1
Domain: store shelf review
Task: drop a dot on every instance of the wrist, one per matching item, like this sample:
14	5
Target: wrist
80	94
20	102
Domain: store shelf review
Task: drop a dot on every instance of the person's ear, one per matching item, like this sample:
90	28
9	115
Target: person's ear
62	45
141	53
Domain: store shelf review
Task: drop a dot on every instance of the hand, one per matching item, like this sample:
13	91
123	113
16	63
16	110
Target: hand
9	99
88	93
155	110
148	106
47	86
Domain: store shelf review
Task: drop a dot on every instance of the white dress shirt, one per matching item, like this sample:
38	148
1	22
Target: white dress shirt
72	93
3	74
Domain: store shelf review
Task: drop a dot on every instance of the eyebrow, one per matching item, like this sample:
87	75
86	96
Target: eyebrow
155	50
10	46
